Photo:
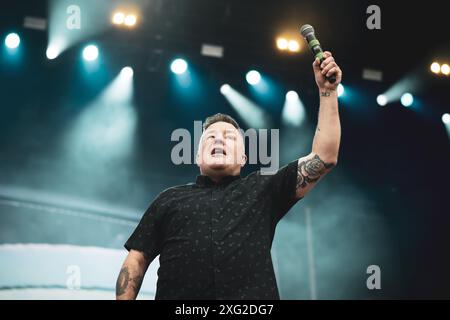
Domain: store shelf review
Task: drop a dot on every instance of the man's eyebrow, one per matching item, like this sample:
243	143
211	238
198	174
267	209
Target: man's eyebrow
225	131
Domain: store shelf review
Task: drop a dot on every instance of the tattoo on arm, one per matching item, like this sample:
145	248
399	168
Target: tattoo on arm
310	171
124	281
326	92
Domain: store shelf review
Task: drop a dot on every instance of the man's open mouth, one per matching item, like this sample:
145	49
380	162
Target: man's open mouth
218	152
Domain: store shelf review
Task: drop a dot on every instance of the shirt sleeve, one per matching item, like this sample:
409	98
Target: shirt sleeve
281	188
147	235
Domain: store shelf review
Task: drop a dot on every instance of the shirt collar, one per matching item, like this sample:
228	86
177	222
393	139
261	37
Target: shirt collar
204	180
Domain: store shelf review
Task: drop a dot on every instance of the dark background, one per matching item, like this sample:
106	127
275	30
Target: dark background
387	202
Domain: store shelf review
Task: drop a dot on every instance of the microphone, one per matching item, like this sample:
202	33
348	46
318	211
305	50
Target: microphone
307	32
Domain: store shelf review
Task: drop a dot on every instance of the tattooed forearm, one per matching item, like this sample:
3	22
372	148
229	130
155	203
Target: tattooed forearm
126	282
310	171
122	281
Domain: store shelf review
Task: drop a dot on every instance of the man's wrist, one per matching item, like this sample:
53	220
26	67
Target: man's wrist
325	92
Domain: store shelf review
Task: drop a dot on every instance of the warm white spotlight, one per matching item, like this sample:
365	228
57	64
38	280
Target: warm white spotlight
446	118
340	89
130	20
118	18
12	40
179	66
382	100
225	88
435	67
127	72
445	69
282	43
407	99
253	77
292	96
294	46
52	52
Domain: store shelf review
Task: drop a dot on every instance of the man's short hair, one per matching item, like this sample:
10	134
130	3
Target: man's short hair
219	117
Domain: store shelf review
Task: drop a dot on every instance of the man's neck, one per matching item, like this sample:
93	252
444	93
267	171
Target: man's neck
216	177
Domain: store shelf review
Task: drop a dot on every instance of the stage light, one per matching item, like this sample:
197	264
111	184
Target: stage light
52	53
252	114
445	69
293	112
210	50
294	46
407	99
288	43
35	23
225	88
372	74
340	89
446	118
291	96
382	100
130	20
12	40
74	23
282	43
253	77
127	72
435	67
90	53
179	66
121	18
106	126
118	18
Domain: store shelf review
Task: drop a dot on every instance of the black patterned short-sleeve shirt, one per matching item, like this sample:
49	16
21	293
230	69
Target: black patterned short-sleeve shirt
214	239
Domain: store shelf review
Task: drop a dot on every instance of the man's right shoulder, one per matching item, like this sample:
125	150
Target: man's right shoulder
173	191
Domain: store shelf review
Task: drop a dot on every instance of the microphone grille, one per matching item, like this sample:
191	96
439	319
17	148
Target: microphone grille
306	30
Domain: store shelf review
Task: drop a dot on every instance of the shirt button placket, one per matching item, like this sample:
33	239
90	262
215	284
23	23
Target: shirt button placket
217	244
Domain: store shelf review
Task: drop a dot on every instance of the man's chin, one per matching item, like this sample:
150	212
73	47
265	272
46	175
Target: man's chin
218	165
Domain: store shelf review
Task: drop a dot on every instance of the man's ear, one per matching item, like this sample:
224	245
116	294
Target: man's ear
244	160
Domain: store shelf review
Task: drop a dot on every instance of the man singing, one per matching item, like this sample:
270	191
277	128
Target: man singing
214	236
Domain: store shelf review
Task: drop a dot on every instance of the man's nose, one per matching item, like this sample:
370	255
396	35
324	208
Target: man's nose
219	140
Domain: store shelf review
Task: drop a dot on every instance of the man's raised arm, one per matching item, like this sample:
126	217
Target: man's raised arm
325	148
